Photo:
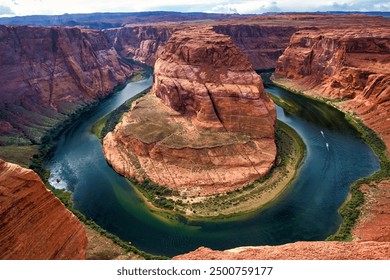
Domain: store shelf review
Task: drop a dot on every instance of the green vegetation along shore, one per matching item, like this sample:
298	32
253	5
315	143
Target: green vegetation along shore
169	204
251	199
108	122
350	210
39	154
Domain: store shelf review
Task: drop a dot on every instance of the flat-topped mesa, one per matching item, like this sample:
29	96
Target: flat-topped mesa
206	127
202	74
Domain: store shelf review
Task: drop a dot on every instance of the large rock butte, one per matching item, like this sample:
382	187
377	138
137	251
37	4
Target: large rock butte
34	224
206	127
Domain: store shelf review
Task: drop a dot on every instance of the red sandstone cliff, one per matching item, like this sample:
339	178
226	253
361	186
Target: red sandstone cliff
261	38
351	64
207	126
140	42
34	224
47	73
261	44
374	221
203	75
347	60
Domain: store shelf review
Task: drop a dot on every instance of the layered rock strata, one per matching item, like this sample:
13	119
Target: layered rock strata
261	38
261	44
352	65
140	42
48	73
298	251
206	127
34	224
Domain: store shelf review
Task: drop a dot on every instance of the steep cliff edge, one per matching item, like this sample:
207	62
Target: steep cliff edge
352	65
206	127
374	221
33	222
261	38
48	73
298	251
260	43
140	42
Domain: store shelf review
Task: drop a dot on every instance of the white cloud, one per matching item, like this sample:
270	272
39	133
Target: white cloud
224	9
6	8
5	11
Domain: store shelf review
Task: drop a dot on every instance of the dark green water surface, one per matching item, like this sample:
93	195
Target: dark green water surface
307	210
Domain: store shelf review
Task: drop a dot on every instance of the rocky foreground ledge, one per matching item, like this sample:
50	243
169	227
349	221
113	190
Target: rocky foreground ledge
206	127
320	250
34	224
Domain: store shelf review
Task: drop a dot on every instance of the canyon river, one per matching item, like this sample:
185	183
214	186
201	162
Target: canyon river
307	210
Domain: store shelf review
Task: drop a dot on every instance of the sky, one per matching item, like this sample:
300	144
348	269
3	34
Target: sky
53	7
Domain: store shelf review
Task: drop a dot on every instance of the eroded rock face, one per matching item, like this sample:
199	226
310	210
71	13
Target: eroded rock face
320	250
350	64
260	43
374	221
34	224
48	73
261	38
206	127
140	42
214	83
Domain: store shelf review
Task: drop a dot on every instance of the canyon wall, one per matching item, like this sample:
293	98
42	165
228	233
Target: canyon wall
140	42
345	58
374	221
206	127
34	224
261	38
261	44
48	73
352	65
